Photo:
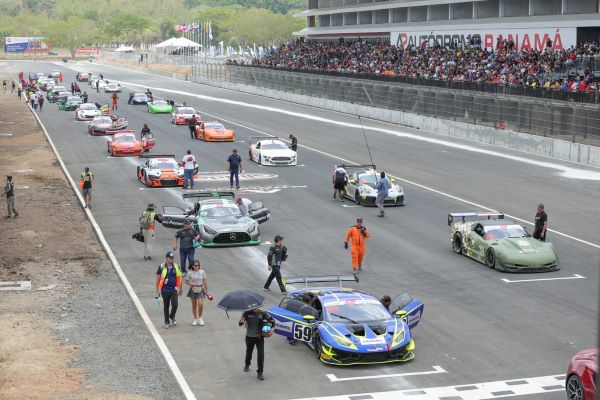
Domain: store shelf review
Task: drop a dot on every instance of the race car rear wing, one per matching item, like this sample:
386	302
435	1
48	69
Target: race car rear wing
157	156
474	215
174	104
113	131
366	166
211	195
322	278
264	137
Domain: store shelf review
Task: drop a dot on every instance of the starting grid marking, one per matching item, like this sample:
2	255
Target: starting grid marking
436	370
256	189
576	276
474	391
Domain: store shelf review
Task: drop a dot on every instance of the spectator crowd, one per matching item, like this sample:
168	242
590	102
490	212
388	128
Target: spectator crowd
504	65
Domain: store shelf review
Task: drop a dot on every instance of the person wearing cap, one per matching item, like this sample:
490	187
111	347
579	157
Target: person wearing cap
255	320
147	227
234	166
277	255
189	166
87	179
168	285
358	234
541	224
9	192
186	237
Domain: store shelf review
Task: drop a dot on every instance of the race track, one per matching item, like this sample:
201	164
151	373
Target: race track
476	328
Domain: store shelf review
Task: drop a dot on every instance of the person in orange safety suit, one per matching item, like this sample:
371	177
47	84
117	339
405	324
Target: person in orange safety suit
358	234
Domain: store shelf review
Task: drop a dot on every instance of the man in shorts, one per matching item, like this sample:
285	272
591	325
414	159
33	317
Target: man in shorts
87	179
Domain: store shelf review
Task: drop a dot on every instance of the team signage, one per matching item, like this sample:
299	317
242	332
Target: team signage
23	44
524	39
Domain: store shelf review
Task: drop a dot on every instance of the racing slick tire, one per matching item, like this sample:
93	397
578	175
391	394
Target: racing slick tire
574	388
356	198
457	245
317	344
490	258
145	179
112	152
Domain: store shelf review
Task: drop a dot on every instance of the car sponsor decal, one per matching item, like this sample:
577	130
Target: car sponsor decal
413	319
353	301
284	326
371	341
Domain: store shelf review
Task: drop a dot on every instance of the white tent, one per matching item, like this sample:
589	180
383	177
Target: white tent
125	49
166	43
183	42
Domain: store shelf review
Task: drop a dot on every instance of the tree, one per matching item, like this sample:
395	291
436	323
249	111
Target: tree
126	27
72	33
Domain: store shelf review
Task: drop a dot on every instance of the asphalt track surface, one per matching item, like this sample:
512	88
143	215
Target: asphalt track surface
475	328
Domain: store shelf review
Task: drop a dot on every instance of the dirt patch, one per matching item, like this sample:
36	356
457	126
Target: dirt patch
36	361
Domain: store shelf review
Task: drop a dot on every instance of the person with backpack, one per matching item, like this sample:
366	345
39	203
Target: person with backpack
168	285
383	187
340	178
147	228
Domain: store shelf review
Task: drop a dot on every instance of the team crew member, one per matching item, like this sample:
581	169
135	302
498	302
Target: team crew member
168	284
192	125
383	187
145	132
277	255
234	167
254	320
115	100
189	165
87	179
294	145
541	224
244	205
186	237
9	192
147	227
196	279
358	234
340	178
130	101
84	97
386	301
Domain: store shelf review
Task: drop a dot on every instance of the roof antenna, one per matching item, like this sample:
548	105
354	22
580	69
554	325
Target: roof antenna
367	143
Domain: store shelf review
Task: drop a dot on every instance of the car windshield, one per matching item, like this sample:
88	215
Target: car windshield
64	94
139	95
220	211
219	127
273	146
160	103
103	120
494	232
87	106
74	99
355	312
125	138
367	178
163	164
186	110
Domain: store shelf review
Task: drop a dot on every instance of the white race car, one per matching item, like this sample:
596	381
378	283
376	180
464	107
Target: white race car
86	111
271	151
98	82
112	88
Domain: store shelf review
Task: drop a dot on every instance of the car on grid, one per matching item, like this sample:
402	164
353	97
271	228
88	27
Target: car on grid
58	96
138	98
345	326
106	125
362	186
70	104
124	143
499	243
112	88
217	219
83	76
267	150
159	107
582	376
182	115
86	111
161	171
214	131
101	83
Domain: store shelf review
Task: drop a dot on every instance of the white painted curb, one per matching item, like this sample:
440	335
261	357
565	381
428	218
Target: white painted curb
185	388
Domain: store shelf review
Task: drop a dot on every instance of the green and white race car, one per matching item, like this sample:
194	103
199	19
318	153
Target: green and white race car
159	107
499	243
218	220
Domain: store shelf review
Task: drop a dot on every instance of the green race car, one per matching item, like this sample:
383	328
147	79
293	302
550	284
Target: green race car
70	104
159	107
499	243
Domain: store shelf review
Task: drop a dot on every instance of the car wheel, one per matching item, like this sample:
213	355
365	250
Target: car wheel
250	154
490	258
112	152
357	198
574	388
317	344
457	244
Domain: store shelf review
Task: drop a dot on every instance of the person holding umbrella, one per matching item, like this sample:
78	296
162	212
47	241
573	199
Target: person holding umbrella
256	320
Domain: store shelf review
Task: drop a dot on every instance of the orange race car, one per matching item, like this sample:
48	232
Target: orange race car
214	132
125	143
161	171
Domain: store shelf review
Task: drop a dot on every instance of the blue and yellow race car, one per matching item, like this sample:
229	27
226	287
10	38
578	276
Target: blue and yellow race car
347	326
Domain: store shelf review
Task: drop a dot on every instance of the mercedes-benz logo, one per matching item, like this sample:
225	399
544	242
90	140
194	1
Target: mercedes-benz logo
232	236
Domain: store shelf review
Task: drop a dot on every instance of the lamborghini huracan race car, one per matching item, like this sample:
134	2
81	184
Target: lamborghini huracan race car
159	107
125	143
362	183
112	88
216	218
106	125
499	243
214	132
182	115
86	111
271	151
138	98
348	326
161	171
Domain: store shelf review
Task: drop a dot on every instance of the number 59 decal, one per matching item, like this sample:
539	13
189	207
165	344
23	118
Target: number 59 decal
302	333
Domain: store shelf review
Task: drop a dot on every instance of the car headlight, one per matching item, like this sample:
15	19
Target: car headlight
179	173
209	230
267	158
343	341
155	174
399	338
252	228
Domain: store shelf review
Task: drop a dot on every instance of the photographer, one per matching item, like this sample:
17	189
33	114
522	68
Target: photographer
358	234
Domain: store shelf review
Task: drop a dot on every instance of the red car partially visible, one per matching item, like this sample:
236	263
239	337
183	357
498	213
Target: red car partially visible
582	375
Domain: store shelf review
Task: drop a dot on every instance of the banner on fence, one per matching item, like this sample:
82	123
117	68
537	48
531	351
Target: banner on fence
84	51
26	44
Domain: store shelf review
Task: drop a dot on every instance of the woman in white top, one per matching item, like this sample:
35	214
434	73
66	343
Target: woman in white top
196	279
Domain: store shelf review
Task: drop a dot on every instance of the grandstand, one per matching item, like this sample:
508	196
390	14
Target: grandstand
531	24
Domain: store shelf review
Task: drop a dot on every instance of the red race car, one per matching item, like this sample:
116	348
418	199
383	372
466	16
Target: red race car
582	375
182	115
161	171
125	143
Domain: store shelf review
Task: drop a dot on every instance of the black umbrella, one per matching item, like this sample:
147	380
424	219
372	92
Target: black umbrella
241	300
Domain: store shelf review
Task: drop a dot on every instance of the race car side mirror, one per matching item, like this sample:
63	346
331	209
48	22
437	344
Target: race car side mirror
308	318
392	180
400	313
352	181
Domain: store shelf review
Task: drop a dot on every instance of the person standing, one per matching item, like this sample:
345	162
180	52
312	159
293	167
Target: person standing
189	166
186	237
60	76
9	192
168	285
358	234
4	86
20	94
13	87
32	100
340	178
41	102
72	88
383	187
84	97
192	126
97	86
277	255
115	100
254	320
86	182
541	224
234	167
147	227
294	145
196	279
36	101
